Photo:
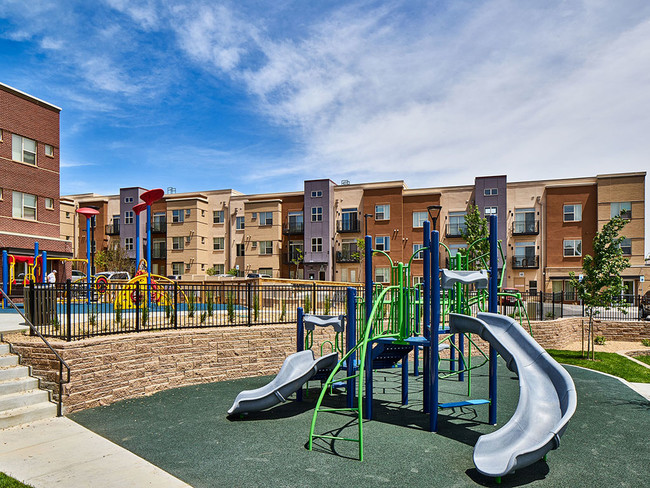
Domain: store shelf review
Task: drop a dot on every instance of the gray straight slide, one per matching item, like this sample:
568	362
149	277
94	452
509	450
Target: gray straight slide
295	372
547	396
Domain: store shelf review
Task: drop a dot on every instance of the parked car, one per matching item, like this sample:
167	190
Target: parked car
77	275
644	306
257	275
508	299
115	275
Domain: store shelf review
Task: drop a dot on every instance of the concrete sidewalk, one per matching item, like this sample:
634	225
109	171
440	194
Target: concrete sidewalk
61	453
12	322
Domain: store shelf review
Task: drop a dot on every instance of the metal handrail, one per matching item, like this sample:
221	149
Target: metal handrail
62	362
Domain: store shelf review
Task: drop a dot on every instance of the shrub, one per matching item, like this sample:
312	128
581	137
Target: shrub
118	314
204	316
191	304
209	303
145	316
256	306
600	340
307	305
230	307
645	342
327	305
283	315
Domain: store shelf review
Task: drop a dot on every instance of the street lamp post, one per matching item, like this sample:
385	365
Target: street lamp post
89	213
365	223
434	213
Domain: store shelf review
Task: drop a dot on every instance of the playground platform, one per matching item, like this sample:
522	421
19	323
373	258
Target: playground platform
185	432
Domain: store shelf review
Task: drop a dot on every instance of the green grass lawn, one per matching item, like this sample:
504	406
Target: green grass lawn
643	359
605	362
7	482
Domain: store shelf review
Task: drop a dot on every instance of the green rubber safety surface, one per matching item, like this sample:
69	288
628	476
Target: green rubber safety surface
185	431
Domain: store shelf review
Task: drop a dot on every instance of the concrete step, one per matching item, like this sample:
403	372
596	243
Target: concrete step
8	360
23	399
13	372
23	415
4	349
17	385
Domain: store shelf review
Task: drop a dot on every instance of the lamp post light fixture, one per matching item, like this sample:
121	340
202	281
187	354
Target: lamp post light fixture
434	213
365	225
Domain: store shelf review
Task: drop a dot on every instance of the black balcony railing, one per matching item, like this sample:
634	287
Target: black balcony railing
112	229
347	256
159	226
456	230
525	228
520	262
159	253
352	225
294	228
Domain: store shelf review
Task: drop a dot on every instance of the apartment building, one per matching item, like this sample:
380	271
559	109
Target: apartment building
545	227
29	185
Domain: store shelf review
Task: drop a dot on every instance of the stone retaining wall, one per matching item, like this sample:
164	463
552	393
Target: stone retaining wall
112	368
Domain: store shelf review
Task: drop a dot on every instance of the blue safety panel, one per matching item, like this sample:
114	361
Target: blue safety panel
466	403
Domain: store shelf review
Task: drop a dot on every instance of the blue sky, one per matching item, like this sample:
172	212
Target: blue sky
258	95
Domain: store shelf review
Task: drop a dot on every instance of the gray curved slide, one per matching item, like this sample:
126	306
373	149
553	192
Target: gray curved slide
295	372
547	396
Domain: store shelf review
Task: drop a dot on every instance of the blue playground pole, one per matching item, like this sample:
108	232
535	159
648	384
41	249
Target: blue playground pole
5	274
88	268
435	324
426	311
149	256
350	341
368	300
44	267
137	240
35	258
300	343
492	307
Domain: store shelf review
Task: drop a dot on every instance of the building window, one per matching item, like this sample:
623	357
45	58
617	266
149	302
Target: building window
457	225
621	209
218	243
382	275
490	192
454	248
217	217
317	193
49	203
178	243
573	247
626	246
316	244
266	247
382	243
128	217
525	255
23	206
419	218
128	199
416	249
128	243
382	212
525	221
23	149
177	268
240	249
489	211
573	213
240	223
49	150
317	214
188	212
177	216
0	135
266	218
187	267
219	269
265	271
1	198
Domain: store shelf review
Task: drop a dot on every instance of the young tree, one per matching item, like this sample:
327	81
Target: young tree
476	231
297	257
114	259
601	285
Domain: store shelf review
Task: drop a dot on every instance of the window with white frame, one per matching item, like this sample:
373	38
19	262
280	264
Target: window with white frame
621	209
572	247
128	199
316	244
490	192
416	249
382	275
265	271
457	223
382	212
489	211
49	203
217	217
178	216
382	243
453	249
419	218
177	268
128	243
240	249
178	243
23	149
317	214
418	280
1	196
239	223
128	217
49	151
219	268
626	246
266	247
23	206
218	243
573	212
317	193
266	218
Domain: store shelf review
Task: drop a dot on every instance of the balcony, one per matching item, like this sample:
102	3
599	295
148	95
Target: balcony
292	257
159	253
347	256
525	228
112	229
348	226
524	262
159	226
293	228
455	230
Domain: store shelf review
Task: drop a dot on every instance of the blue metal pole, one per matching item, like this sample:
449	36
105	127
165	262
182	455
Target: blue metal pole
368	300
137	241
435	324
44	267
149	255
300	343
416	349
351	337
35	258
88	270
426	311
492	307
5	274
